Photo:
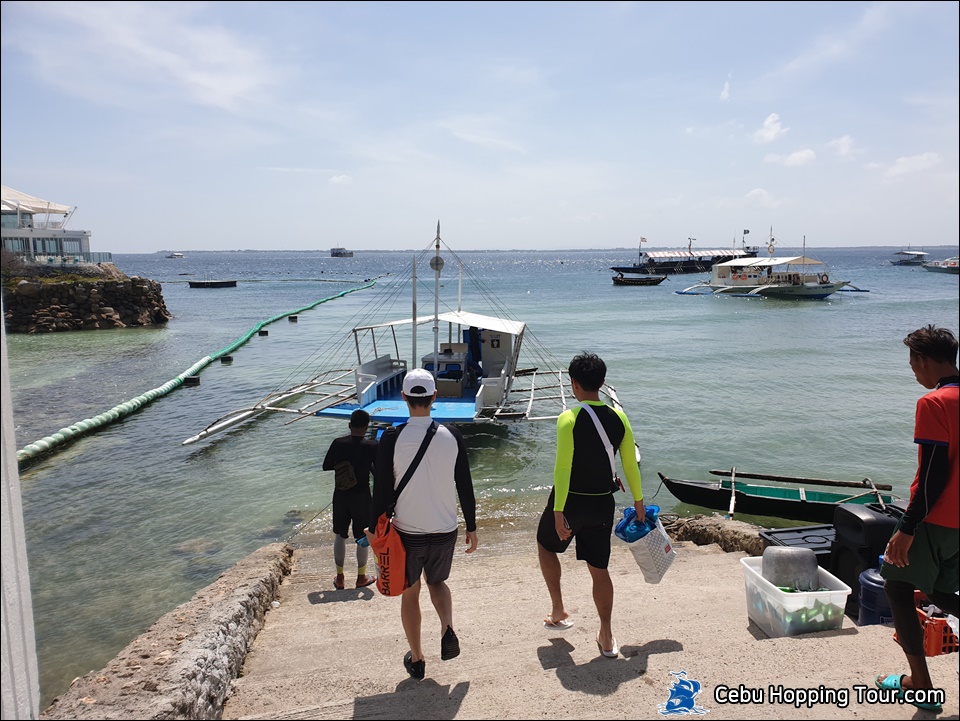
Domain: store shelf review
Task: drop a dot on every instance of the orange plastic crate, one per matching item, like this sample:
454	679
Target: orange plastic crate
938	637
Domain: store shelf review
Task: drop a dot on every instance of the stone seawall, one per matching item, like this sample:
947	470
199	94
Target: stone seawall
111	301
182	667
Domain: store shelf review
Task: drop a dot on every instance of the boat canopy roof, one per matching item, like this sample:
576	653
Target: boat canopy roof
487	322
14	200
768	262
910	252
693	253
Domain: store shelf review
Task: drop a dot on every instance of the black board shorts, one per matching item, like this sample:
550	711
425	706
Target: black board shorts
351	507
430	554
591	520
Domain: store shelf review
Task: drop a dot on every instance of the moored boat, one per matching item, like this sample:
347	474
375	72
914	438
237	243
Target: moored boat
789	277
340	253
948	265
621	279
489	368
212	283
794	502
908	257
657	262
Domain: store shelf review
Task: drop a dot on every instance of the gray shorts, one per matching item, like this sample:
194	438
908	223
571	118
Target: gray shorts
430	554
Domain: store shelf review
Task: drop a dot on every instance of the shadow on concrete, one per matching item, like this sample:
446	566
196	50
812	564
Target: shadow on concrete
601	676
413	700
339	596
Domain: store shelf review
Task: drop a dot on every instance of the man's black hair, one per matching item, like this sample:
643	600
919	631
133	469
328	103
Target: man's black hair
589	370
937	344
359	419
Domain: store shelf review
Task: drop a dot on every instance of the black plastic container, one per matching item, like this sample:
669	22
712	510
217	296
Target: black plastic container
862	533
818	539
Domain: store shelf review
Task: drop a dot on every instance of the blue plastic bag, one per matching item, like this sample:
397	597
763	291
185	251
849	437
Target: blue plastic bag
629	530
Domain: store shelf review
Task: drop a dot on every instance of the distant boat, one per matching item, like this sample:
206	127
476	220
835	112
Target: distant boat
212	283
785	277
908	257
621	279
949	265
175	255
340	253
684	261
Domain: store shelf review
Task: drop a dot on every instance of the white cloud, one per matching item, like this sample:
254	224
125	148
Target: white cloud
725	93
842	146
830	49
800	157
133	53
341	180
479	130
770	131
758	197
913	164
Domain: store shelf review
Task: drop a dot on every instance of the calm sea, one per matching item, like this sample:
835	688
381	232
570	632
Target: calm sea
125	524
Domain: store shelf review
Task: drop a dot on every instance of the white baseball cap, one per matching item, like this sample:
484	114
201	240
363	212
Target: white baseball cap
419	383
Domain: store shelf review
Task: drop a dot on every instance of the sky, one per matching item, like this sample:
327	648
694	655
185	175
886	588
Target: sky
553	125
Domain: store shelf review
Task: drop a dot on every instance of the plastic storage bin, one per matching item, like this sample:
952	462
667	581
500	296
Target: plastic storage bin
938	636
779	613
817	538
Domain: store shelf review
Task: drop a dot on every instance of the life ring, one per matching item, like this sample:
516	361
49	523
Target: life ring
770	249
824	278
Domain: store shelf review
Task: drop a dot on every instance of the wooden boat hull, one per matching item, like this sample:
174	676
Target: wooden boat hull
639	280
212	283
798	504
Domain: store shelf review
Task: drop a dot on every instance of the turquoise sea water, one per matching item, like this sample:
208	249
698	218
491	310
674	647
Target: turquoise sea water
126	523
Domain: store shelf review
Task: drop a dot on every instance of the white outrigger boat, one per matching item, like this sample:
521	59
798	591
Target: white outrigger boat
789	277
489	368
795	276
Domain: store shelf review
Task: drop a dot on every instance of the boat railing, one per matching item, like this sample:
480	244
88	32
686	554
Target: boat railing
379	378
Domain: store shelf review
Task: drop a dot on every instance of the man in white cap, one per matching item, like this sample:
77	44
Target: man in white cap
426	511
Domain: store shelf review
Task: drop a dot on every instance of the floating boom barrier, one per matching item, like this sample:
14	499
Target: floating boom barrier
56	440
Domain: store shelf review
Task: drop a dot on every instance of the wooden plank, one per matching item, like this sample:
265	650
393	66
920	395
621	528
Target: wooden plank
865	483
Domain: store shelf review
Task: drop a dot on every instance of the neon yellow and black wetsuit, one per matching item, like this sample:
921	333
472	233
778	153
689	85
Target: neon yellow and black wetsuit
582	481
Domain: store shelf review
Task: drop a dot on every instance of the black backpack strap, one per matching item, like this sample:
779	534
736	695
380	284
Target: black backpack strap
431	431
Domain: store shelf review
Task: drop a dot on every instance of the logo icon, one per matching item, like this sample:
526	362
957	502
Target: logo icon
683	695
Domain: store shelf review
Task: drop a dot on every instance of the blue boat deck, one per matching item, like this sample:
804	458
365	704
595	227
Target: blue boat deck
394	411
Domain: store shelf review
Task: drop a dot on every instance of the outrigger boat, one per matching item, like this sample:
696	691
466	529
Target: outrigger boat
909	257
621	279
948	265
787	277
489	368
795	502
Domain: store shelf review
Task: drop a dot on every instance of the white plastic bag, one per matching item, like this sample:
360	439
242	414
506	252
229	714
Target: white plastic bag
654	553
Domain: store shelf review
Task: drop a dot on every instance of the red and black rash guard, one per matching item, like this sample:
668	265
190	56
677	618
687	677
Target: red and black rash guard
582	466
935	492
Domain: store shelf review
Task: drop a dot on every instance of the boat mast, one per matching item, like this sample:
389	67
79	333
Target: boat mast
436	263
414	348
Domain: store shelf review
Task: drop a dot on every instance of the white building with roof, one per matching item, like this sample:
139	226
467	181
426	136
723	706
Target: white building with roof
35	229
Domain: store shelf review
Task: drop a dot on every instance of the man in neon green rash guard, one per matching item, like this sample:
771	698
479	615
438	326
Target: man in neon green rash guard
581	504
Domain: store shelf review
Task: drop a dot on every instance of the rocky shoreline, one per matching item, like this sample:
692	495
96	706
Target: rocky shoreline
183	666
91	299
